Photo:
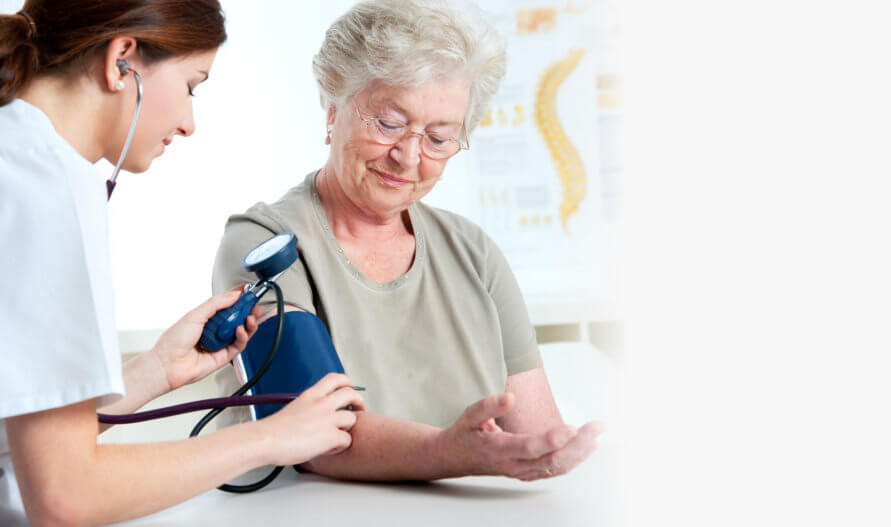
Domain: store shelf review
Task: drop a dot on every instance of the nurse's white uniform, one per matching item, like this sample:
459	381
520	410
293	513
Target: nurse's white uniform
59	344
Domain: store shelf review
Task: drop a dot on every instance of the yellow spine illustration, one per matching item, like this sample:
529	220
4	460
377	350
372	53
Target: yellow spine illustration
566	158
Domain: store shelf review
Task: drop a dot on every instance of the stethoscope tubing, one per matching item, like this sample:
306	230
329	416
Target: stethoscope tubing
194	406
114	175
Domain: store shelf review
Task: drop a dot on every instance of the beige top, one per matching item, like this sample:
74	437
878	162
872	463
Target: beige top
438	338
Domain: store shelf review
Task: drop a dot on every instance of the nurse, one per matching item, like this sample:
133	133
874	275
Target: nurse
66	103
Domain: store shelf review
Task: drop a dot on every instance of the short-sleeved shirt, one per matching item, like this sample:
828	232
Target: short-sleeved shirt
56	305
438	338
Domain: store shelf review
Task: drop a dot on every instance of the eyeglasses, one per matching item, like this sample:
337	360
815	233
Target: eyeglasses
390	131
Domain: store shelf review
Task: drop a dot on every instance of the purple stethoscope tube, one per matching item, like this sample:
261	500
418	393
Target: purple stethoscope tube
194	406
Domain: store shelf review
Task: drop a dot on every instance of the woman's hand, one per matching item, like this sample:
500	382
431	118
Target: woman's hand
316	423
480	447
175	350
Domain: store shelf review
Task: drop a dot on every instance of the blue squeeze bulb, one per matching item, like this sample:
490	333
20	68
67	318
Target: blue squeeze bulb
219	331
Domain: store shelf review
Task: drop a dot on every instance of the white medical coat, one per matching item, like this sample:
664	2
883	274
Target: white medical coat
59	344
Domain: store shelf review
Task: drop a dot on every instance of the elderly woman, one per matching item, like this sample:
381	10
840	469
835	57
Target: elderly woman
420	303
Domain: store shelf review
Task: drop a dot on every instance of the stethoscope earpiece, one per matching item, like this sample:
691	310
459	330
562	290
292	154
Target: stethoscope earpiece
123	66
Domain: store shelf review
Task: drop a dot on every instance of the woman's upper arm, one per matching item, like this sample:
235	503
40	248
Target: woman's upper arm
519	345
242	234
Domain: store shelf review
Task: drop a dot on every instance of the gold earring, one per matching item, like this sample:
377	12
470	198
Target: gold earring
328	136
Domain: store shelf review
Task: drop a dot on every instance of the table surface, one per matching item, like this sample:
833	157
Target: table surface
586	496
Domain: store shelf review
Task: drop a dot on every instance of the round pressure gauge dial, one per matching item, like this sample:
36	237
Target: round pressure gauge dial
272	256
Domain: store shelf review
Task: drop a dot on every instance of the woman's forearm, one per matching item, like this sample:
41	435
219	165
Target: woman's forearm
144	380
387	449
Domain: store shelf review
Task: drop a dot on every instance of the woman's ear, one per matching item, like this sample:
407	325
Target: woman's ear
332	113
329	122
120	48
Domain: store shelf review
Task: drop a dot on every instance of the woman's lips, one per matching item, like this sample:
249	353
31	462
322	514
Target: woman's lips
391	181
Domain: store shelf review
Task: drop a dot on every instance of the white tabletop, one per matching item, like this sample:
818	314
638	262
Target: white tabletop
587	496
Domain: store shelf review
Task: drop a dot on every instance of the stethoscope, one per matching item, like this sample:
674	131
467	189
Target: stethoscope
124	67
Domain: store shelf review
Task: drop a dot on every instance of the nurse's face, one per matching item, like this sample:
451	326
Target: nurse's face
166	106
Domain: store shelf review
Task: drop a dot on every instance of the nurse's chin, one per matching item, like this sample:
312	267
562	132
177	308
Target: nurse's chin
137	166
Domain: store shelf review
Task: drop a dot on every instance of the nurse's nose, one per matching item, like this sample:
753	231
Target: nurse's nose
187	127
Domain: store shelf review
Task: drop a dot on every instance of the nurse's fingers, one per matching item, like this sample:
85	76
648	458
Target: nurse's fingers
345	397
250	324
328	384
238	345
244	333
253	320
345	420
202	313
343	441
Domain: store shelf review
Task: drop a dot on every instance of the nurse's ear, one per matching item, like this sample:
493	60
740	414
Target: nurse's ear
120	48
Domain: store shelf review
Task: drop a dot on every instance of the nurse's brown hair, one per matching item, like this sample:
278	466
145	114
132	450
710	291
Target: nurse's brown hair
61	37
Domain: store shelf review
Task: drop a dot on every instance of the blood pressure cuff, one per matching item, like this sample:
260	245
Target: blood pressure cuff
305	355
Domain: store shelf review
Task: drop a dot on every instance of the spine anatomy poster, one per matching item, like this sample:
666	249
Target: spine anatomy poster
543	171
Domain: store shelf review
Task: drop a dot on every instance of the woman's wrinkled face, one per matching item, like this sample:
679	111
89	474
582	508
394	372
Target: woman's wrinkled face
383	180
168	87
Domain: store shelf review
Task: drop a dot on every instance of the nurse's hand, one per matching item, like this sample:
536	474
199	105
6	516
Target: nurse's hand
181	361
480	447
314	424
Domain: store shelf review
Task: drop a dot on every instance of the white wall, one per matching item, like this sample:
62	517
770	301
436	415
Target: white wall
260	128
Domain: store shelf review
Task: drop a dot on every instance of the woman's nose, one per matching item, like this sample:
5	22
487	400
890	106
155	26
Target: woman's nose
407	152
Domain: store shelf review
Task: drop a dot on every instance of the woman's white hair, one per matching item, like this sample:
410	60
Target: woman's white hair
407	43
